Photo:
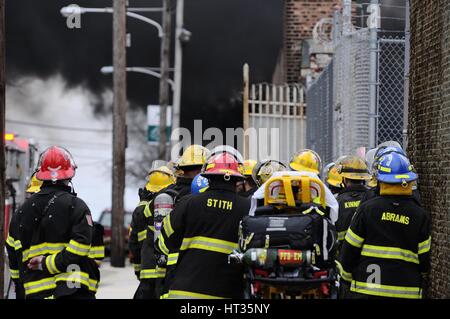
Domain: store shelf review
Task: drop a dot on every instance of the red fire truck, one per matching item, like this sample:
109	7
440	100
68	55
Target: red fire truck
21	155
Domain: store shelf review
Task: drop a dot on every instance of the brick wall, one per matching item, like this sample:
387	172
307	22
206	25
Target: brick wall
300	18
429	127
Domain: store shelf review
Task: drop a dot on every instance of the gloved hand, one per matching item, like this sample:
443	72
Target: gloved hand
36	263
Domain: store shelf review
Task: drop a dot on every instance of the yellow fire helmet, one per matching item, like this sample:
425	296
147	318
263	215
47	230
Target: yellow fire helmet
194	155
248	167
353	167
307	161
34	186
159	178
331	176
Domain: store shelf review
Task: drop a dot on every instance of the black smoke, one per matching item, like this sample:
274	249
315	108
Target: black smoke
225	35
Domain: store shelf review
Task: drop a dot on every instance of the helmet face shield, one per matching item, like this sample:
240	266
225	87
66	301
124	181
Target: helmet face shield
264	170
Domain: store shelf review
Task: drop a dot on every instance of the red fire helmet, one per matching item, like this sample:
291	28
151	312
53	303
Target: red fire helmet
222	164
56	163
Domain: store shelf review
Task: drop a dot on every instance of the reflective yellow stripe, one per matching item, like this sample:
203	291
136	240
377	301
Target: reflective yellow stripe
353	239
424	246
345	275
39	285
78	277
14	273
148	274
143	202
78	248
152	228
160	272
50	297
137	267
386	290
389	253
147	211
341	235
167	226
142	235
172	259
51	265
180	294
42	249
11	242
162	245
207	243
17	244
165	296
384	169
97	252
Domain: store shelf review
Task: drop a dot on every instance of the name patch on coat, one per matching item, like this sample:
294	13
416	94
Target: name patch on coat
397	218
219	203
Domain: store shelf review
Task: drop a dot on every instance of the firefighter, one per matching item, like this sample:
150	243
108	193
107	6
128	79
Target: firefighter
187	167
141	250
387	246
51	235
204	228
332	178
354	173
248	186
306	161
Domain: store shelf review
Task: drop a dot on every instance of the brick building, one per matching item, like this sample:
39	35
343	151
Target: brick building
300	17
429	127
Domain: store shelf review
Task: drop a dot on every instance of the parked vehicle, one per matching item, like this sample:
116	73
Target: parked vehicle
105	220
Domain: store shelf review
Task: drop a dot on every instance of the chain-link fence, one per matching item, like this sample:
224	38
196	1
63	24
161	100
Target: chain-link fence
348	97
391	69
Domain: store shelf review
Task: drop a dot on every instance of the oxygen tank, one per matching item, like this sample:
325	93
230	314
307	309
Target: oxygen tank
268	258
162	206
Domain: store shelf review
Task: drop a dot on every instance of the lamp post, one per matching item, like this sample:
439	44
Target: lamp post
138	69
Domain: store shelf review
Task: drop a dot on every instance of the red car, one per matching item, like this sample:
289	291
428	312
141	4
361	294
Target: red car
105	220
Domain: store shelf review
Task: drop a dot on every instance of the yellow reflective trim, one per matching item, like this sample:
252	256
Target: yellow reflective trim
353	239
424	246
162	245
148	274
152	228
39	285
167	226
401	176
147	211
78	248
50	297
181	294
97	252
172	259
389	253
143	202
386	290
11	242
42	249
161	272
142	235
79	277
51	265
210	244
347	276
165	296
384	169
14	273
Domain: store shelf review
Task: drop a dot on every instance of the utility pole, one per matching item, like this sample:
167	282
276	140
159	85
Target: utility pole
2	148
163	83
119	133
245	109
178	66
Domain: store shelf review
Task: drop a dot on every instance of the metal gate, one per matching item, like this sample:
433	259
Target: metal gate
278	110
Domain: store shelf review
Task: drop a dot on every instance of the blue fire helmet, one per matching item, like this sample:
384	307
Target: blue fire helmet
395	168
199	184
389	149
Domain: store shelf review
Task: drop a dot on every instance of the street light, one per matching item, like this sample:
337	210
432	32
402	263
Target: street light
138	69
77	10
